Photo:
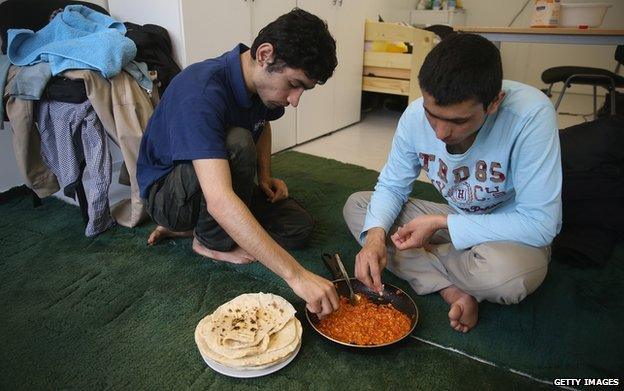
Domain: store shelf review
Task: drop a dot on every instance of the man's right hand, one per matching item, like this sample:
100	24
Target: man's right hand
319	294
372	259
238	221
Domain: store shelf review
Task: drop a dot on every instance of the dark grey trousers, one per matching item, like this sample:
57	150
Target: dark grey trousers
176	201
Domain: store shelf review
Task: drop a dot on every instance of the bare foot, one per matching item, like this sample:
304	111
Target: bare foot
464	310
237	255
161	233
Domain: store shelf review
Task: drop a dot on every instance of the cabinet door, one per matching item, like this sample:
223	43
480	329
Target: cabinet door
349	30
263	12
315	112
213	27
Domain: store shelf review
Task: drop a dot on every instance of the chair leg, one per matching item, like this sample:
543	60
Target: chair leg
612	102
595	104
549	92
565	86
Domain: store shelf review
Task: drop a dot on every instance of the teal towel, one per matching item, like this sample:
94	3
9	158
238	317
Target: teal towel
77	38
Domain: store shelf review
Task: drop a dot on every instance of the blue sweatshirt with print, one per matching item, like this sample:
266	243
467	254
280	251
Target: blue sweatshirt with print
505	187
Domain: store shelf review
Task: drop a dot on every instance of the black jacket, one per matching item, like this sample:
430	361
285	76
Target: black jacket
593	191
154	48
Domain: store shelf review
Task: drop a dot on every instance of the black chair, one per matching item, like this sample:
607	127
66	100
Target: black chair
595	77
441	30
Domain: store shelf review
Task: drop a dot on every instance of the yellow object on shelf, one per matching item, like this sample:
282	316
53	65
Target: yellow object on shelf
391	47
388	66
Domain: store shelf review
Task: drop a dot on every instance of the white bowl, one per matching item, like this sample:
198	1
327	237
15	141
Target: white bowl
582	14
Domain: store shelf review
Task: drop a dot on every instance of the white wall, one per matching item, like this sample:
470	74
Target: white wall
390	10
168	17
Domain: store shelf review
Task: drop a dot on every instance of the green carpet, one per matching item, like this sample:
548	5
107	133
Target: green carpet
110	312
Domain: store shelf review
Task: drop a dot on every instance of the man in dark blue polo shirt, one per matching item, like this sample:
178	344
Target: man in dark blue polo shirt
209	140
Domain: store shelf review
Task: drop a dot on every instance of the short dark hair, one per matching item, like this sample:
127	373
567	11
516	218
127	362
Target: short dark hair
301	41
462	67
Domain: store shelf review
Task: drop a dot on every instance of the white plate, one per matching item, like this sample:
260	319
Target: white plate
232	372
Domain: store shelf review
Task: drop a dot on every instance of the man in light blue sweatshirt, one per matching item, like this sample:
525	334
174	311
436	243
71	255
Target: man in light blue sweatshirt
491	148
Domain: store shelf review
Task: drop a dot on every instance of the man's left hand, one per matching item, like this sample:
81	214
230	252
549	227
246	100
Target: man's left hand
416	233
275	189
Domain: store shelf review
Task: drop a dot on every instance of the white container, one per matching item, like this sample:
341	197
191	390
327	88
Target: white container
582	14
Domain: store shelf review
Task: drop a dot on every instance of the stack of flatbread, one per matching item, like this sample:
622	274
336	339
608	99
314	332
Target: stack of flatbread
252	331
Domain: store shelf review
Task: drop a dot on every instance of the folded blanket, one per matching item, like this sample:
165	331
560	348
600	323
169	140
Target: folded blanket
77	38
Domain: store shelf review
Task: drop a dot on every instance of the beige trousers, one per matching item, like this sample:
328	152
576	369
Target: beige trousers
27	142
499	272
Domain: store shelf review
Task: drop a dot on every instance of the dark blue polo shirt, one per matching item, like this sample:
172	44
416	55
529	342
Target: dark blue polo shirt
190	121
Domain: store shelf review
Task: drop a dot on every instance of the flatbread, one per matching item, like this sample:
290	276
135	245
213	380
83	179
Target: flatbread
275	354
278	310
252	330
245	320
236	325
209	335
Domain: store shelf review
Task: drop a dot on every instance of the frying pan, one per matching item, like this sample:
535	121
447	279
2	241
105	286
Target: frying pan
391	294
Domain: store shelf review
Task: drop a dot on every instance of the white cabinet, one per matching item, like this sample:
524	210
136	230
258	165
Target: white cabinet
316	107
349	34
335	104
202	29
210	29
284	130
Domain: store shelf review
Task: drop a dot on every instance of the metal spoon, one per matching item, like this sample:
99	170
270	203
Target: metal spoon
352	296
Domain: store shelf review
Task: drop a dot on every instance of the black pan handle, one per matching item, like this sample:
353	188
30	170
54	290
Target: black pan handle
332	265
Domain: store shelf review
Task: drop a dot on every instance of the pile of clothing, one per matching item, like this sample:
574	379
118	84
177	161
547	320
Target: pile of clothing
81	79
